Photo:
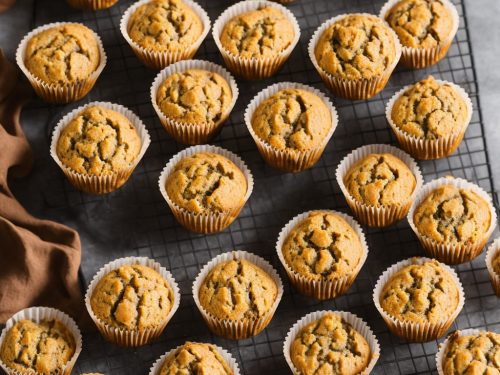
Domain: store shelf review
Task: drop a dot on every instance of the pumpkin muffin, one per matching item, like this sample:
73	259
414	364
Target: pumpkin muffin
92	5
493	265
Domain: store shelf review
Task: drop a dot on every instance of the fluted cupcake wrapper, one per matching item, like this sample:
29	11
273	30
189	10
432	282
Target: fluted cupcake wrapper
124	337
352	89
92	183
253	68
244	328
59	93
357	323
38	314
377	216
289	159
443	346
427	149
190	133
160	59
493	251
408	330
452	253
324	288
92	4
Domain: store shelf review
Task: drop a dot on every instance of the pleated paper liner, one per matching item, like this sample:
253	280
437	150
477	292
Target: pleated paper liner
492	253
244	328
191	133
452	253
122	336
209	222
413	331
324	288
92	4
95	184
288	159
352	89
231	362
59	93
38	314
417	58
357	323
377	216
160	59
427	149
253	68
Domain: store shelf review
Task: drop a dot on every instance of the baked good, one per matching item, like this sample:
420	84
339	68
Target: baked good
92	4
492	261
496	263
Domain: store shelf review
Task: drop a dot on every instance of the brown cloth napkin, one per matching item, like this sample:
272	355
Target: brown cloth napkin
39	259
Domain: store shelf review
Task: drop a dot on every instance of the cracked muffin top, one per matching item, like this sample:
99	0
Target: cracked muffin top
358	46
430	110
65	54
44	347
420	23
98	141
165	25
452	215
260	33
323	246
420	293
207	183
380	180
195	96
475	354
292	119
195	358
132	297
237	289
330	345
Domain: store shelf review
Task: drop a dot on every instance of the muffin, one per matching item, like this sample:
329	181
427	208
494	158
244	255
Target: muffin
355	54
429	118
425	28
493	265
255	38
92	4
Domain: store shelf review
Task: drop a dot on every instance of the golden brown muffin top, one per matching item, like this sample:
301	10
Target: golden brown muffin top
164	25
357	46
195	96
260	33
421	293
475	354
132	297
330	345
237	289
292	118
207	183
420	23
380	180
43	347
64	54
98	141
195	358
452	215
323	246
495	263
430	110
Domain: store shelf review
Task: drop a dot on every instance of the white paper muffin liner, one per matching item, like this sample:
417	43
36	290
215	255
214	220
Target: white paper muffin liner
325	288
452	253
348	88
92	183
125	337
357	323
418	58
253	68
160	59
57	93
92	4
493	251
231	362
427	149
377	216
244	328
190	133
290	160
413	331
38	314
206	222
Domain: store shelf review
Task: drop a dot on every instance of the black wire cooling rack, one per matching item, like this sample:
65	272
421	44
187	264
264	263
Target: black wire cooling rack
136	221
